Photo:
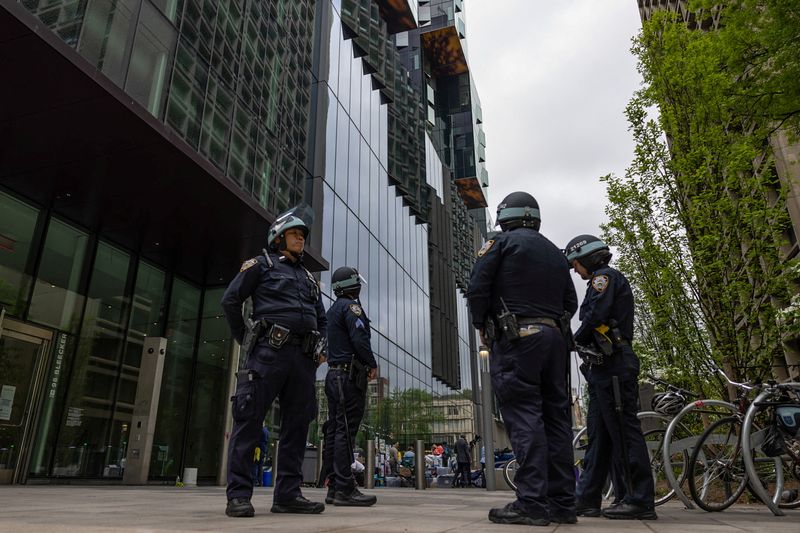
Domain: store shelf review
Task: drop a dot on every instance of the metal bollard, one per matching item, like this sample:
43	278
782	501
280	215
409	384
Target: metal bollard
369	474
419	466
275	460
320	451
488	433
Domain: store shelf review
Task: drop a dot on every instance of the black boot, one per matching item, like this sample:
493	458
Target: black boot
630	511
240	507
331	493
353	499
510	514
299	505
588	511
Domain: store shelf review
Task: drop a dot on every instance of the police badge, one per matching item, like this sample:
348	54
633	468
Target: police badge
356	309
600	283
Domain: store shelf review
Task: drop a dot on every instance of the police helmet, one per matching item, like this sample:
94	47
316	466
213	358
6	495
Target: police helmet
346	280
589	250
297	217
668	403
517	210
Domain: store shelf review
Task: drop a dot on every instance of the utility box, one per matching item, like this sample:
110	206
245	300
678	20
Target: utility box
310	471
145	411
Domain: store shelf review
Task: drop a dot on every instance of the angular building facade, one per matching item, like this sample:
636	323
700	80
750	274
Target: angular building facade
147	145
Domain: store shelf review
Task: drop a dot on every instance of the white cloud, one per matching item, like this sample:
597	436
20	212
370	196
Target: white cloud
554	79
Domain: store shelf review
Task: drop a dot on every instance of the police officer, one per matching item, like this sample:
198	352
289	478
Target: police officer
519	290
607	323
350	365
289	317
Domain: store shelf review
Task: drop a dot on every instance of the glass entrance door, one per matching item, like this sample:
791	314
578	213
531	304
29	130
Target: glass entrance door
23	354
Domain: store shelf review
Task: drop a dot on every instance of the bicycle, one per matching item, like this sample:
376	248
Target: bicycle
778	407
680	439
717	475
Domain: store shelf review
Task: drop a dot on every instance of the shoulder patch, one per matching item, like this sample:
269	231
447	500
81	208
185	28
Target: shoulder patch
247	264
356	309
600	283
485	248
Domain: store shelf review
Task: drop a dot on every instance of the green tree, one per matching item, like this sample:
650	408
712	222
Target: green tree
405	415
699	218
645	229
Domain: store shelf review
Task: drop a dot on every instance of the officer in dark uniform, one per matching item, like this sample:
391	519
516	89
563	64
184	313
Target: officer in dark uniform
607	323
289	320
519	291
350	365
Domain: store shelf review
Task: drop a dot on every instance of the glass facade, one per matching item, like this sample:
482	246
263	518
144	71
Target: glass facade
370	222
101	302
277	95
231	78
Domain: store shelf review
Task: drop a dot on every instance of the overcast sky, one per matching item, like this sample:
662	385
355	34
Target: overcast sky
554	78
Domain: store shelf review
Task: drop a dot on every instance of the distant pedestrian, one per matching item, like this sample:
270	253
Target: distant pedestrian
393	453
463	459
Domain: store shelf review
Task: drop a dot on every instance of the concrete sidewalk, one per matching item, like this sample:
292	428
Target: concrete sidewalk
46	508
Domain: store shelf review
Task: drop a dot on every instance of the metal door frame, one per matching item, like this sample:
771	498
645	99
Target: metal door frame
24	331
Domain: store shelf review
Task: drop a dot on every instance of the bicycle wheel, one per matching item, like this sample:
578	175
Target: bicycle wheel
716	471
790	497
510	472
654	439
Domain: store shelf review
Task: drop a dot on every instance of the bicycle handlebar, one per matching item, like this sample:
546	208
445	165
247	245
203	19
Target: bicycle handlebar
672	387
738	385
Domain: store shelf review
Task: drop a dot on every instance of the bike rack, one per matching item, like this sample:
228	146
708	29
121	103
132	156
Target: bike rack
667	450
758	488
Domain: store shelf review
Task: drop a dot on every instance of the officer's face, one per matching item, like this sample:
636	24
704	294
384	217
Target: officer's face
580	269
295	241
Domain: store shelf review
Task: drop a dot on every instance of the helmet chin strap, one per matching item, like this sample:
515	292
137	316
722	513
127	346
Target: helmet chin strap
285	251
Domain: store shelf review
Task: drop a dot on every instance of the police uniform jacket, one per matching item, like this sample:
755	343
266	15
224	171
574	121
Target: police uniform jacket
528	271
284	293
349	333
608	297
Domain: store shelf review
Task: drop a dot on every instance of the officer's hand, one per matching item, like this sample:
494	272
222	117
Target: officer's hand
373	373
483	337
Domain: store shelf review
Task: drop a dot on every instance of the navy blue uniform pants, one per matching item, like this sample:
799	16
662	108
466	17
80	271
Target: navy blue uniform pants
286	374
345	411
596	463
606	434
529	380
464	476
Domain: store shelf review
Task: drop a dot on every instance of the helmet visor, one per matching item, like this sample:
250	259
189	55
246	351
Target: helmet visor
299	216
354	280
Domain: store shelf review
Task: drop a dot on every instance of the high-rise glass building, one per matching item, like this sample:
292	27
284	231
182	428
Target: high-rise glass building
147	145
